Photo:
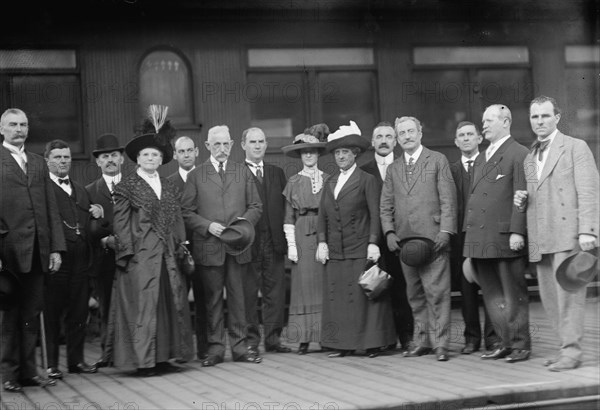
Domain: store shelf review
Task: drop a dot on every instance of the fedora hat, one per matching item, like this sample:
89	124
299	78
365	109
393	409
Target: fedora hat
107	143
303	141
416	250
347	136
238	236
9	288
577	270
469	271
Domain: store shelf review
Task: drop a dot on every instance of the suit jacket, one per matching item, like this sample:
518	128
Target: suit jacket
271	196
424	207
176	179
349	223
462	184
564	202
28	212
207	199
100	194
491	216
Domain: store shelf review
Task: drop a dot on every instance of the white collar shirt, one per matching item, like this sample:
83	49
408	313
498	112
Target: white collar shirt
344	177
540	164
464	160
184	174
415	156
489	152
18	154
68	188
383	163
111	181
254	167
216	164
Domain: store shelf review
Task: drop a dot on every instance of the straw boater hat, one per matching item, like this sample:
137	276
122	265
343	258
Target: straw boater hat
157	132
303	141
347	136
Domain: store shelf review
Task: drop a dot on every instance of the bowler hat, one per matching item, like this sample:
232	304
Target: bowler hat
303	141
238	236
107	143
9	288
469	271
577	270
347	136
416	250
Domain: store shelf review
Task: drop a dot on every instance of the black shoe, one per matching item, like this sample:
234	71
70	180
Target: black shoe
373	353
442	354
248	358
166	367
211	361
103	363
12	387
338	353
469	348
146	372
518	355
303	349
419	351
83	368
499	353
54	373
38	381
278	348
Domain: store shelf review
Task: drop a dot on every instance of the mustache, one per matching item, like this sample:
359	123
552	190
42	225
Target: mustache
384	145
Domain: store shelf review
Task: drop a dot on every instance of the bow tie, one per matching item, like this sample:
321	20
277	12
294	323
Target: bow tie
63	181
541	145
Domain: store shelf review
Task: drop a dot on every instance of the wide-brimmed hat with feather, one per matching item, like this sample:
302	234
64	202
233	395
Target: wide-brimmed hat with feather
347	136
157	132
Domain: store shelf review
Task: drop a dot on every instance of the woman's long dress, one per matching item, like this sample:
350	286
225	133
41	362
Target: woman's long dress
304	323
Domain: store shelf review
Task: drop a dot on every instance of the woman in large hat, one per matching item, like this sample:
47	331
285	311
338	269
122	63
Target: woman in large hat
348	233
152	319
303	194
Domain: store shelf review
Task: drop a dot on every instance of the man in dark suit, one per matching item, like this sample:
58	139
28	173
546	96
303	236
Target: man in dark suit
67	291
109	158
419	199
562	204
495	235
267	270
384	141
185	153
217	193
31	240
467	140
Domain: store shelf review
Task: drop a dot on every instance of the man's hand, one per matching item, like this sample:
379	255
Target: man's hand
520	200
516	241
392	242
293	253
322	253
216	229
442	239
96	211
587	242
55	262
373	253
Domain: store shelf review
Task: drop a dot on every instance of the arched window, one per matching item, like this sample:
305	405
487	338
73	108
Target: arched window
165	80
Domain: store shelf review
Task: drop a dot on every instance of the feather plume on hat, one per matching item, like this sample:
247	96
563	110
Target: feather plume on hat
156	131
347	136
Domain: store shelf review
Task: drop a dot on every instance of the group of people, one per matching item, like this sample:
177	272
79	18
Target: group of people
425	221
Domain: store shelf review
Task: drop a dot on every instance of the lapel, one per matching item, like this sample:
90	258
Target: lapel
261	187
211	173
103	189
8	158
554	153
351	184
482	169
372	168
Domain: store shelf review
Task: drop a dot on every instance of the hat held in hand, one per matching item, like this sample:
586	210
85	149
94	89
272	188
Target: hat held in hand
469	271
577	270
238	236
416	250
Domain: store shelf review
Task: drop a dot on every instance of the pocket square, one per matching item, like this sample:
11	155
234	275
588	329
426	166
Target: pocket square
500	176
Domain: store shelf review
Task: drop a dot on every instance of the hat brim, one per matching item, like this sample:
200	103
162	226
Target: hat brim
573	284
137	144
469	271
233	248
97	152
422	258
295	150
348	141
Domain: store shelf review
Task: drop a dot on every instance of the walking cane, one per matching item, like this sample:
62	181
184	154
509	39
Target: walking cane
43	342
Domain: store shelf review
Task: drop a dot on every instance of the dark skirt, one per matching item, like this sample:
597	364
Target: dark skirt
350	320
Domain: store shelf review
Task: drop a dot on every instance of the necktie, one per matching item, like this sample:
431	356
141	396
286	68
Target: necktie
540	146
63	181
221	172
23	163
470	168
410	168
112	187
259	173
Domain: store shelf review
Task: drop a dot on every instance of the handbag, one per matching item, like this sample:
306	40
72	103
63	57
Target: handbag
186	261
374	280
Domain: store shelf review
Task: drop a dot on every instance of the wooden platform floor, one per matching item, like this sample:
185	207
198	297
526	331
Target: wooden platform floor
290	381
